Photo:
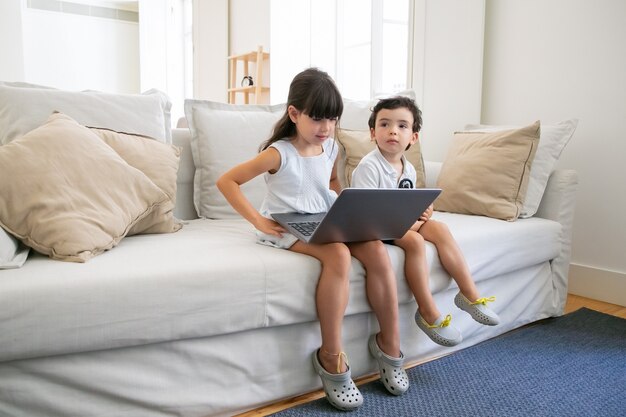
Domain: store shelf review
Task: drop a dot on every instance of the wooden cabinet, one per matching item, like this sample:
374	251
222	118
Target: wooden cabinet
246	76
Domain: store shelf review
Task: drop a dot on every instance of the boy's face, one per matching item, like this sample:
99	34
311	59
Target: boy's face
393	131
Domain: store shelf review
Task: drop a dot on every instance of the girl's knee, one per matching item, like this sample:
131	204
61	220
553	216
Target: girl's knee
337	256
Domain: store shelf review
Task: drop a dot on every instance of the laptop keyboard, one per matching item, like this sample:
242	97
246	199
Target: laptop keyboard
306	228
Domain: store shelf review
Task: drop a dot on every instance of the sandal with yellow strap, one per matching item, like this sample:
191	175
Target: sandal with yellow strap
341	392
441	331
478	309
392	374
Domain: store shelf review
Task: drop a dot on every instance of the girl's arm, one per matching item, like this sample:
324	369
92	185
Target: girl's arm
230	185
334	180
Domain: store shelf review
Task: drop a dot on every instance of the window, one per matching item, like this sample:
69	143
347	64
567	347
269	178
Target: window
372	47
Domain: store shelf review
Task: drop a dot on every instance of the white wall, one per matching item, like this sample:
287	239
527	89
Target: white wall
78	52
210	55
255	17
11	44
560	59
447	69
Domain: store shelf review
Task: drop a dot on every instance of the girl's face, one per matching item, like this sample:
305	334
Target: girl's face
393	131
311	130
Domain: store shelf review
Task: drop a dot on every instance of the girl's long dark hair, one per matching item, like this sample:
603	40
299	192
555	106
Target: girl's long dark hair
312	92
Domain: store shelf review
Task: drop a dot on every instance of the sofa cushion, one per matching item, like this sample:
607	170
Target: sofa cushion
358	143
552	141
23	107
487	173
222	136
159	161
69	195
212	278
12	253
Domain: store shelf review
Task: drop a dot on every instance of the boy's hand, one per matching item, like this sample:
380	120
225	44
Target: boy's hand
426	215
269	227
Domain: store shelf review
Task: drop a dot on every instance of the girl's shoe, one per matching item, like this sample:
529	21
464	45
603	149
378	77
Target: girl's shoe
478	309
392	374
441	331
340	390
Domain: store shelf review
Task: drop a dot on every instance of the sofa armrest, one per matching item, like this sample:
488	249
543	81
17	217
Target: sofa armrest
185	208
558	204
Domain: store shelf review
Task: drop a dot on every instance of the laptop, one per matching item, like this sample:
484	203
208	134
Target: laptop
361	214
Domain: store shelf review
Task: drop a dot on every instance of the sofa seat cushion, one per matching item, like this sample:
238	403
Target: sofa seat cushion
212	278
494	247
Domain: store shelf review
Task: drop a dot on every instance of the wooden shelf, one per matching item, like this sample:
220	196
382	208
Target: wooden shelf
258	58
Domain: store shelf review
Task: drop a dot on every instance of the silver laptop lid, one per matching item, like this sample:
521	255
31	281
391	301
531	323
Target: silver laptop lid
361	214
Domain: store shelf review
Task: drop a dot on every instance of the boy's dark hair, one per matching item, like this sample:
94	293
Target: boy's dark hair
314	93
396	103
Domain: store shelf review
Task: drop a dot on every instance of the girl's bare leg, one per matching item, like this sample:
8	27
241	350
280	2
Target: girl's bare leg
381	291
331	297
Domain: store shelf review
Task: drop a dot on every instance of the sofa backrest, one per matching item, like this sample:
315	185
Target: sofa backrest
185	209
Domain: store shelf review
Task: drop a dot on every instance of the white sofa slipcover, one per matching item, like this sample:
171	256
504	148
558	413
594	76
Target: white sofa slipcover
168	325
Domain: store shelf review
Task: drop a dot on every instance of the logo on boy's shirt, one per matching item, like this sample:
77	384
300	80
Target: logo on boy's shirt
405	183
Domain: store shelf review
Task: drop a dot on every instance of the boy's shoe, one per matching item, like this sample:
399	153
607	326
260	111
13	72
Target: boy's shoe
440	332
340	390
392	374
478	309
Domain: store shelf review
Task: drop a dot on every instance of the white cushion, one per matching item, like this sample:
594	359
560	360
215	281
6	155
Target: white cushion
552	141
222	136
12	253
24	107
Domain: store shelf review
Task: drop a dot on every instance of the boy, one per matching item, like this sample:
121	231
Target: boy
394	125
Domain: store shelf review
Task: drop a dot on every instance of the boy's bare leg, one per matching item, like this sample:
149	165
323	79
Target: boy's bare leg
416	273
451	257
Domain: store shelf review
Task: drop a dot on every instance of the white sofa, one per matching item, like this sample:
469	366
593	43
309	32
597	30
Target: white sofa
206	322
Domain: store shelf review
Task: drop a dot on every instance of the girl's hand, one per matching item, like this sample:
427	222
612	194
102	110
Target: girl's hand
426	215
269	227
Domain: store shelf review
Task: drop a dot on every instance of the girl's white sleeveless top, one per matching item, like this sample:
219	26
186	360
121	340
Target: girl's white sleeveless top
301	184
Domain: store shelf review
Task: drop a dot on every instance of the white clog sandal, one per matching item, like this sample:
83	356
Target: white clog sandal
341	392
392	374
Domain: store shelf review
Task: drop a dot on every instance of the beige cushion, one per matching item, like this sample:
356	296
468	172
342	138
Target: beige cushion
487	173
552	141
69	195
355	144
159	162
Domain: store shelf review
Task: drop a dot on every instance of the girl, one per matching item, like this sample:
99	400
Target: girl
298	162
394	125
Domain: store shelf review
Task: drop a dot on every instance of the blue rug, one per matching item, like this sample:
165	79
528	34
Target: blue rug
574	365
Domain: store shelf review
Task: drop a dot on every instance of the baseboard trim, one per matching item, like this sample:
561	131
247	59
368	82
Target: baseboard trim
598	284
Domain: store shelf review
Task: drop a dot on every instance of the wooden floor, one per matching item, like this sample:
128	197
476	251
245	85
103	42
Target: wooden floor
574	302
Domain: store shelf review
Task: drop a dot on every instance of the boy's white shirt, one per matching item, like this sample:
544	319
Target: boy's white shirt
374	171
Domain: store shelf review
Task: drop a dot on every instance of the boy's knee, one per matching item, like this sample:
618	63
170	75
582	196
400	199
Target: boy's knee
414	240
